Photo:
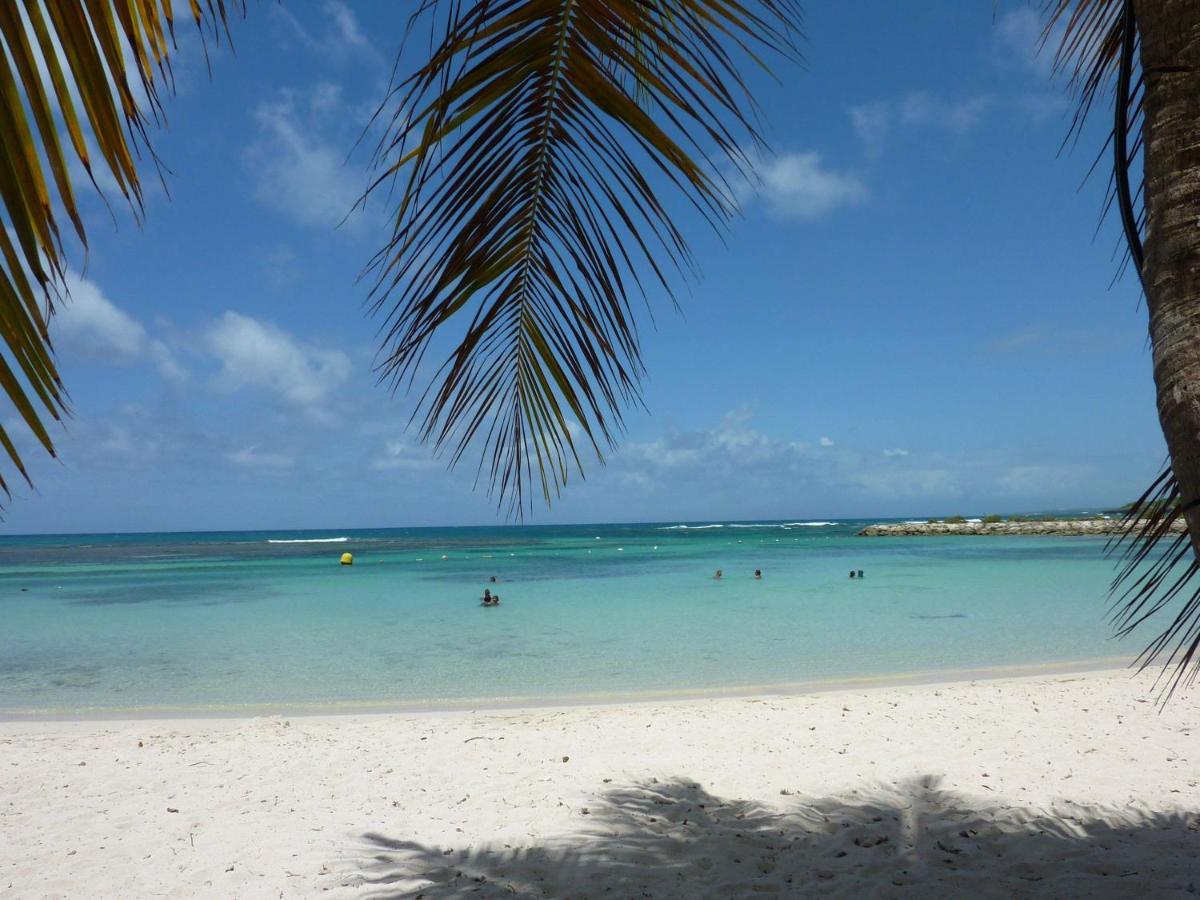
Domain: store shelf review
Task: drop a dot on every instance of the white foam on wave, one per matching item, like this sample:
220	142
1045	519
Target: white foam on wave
786	525
745	525
336	540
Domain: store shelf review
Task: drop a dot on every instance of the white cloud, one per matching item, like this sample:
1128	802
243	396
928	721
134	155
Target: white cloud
734	459
253	458
925	111
346	25
91	325
257	354
298	171
338	38
1023	44
871	122
798	185
874	122
1020	34
133	438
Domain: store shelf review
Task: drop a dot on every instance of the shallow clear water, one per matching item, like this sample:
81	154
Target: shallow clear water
186	620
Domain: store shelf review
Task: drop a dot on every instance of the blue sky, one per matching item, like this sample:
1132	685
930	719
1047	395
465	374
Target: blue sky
915	314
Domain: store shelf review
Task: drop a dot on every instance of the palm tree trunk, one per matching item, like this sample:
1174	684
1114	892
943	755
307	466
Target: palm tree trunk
1170	57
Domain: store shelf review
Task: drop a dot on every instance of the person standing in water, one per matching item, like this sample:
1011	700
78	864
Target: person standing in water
717	577
758	574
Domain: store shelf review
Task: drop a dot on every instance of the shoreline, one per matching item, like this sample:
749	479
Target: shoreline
371	708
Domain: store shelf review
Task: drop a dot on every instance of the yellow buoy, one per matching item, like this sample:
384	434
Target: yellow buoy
347	559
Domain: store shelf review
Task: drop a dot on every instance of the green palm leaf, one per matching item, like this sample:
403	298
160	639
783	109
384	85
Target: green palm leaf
64	68
532	148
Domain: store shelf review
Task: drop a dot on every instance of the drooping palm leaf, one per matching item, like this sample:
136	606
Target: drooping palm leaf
1159	566
68	71
532	149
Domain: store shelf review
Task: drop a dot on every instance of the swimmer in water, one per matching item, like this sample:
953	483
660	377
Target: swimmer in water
492	579
717	577
758	574
488	599
860	574
851	573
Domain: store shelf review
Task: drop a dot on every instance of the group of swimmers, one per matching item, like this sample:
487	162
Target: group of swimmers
490	599
854	573
719	575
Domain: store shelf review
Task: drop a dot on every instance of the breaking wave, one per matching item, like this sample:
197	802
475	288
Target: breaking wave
784	525
336	540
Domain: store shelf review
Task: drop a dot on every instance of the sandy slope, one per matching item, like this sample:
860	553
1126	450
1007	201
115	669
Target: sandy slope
1069	786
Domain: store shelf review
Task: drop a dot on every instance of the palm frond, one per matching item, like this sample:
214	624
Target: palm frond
532	149
1097	54
68	71
1158	565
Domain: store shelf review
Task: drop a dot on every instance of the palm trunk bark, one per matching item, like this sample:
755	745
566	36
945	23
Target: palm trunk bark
1170	58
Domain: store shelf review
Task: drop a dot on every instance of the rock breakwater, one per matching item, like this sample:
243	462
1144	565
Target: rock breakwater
1080	527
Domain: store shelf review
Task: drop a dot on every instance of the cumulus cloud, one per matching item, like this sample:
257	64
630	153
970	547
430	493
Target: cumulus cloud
90	324
257	354
801	186
298	170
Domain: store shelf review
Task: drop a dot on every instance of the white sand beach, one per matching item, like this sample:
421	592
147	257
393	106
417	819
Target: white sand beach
1054	786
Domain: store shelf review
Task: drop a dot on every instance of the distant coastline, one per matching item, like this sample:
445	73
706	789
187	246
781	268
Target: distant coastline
1062	527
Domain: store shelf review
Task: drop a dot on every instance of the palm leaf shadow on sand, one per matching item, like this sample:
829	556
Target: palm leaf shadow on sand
674	839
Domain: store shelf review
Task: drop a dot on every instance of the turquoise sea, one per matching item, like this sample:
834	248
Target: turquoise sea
270	619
